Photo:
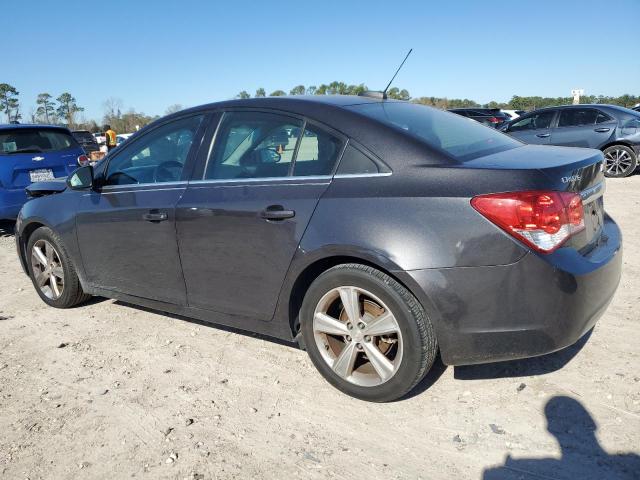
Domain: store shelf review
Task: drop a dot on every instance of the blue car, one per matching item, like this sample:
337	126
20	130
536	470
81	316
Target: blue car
33	153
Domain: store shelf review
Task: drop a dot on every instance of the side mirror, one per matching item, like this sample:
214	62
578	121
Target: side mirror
81	179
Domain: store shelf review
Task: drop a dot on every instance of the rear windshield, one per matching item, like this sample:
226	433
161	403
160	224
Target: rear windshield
83	136
459	137
34	140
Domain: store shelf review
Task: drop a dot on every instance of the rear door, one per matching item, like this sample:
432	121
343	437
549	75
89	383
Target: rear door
240	223
534	128
29	155
582	127
126	228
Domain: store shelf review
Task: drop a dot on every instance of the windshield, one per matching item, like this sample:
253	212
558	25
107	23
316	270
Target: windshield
83	137
32	140
459	137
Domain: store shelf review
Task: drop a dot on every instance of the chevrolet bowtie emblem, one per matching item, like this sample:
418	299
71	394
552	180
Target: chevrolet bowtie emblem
37	159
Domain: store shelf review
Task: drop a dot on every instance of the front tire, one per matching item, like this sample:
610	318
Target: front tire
52	272
620	161
366	334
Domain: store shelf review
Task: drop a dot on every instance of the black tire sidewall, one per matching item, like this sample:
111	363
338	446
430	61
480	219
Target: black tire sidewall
630	152
409	369
70	292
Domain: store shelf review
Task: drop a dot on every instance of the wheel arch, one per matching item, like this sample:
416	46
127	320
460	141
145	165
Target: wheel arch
613	143
305	277
23	240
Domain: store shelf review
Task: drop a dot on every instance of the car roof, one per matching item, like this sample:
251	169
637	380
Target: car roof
11	126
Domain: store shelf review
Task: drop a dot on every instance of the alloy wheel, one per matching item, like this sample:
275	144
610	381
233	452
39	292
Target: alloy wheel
358	336
618	161
47	269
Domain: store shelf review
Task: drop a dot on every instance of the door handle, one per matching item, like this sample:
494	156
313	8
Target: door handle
276	212
601	129
543	135
155	216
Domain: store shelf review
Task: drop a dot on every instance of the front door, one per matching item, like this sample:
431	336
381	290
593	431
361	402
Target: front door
240	225
534	129
126	228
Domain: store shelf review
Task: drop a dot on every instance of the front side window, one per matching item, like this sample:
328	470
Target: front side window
533	122
575	117
159	156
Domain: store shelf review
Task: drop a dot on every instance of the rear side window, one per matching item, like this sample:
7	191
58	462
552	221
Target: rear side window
574	117
462	138
317	153
83	136
355	162
32	140
603	117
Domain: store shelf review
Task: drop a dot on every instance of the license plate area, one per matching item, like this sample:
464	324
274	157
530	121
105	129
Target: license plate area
41	175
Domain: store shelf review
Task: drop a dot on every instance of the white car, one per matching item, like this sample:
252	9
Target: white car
122	137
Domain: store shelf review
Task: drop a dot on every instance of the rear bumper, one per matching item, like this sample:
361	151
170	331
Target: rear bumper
11	201
538	305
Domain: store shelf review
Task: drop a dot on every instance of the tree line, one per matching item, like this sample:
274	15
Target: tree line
516	103
64	108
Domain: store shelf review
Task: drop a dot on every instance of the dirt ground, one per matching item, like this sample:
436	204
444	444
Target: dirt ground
112	391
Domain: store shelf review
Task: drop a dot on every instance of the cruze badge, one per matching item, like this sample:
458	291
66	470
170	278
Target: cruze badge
572	178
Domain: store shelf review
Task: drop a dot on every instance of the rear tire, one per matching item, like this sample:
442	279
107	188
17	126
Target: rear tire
620	161
354	313
52	271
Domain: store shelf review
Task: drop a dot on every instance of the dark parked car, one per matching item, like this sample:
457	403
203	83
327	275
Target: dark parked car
378	234
612	129
492	117
32	153
86	140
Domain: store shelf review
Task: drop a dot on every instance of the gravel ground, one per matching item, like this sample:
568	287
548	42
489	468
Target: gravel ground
108	390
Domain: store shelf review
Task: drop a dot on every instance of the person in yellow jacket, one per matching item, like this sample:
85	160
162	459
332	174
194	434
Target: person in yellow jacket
110	138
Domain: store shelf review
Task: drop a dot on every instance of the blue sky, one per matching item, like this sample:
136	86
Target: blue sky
154	54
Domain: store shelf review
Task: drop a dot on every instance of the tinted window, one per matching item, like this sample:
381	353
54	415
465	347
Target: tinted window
83	136
533	122
317	153
603	117
158	156
462	138
253	145
354	162
31	140
574	117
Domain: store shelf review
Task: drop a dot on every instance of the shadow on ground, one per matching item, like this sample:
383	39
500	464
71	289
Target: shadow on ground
210	325
525	367
7	228
581	456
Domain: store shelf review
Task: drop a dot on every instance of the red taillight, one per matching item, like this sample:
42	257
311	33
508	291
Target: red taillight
542	220
494	120
83	160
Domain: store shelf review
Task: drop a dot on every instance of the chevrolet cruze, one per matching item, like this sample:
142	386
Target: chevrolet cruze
375	233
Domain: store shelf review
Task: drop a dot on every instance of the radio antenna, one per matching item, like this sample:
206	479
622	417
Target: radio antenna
384	93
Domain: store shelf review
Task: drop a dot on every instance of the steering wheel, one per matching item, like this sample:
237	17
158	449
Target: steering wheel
168	171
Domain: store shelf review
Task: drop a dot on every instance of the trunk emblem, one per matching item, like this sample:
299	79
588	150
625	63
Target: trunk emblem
572	178
37	159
